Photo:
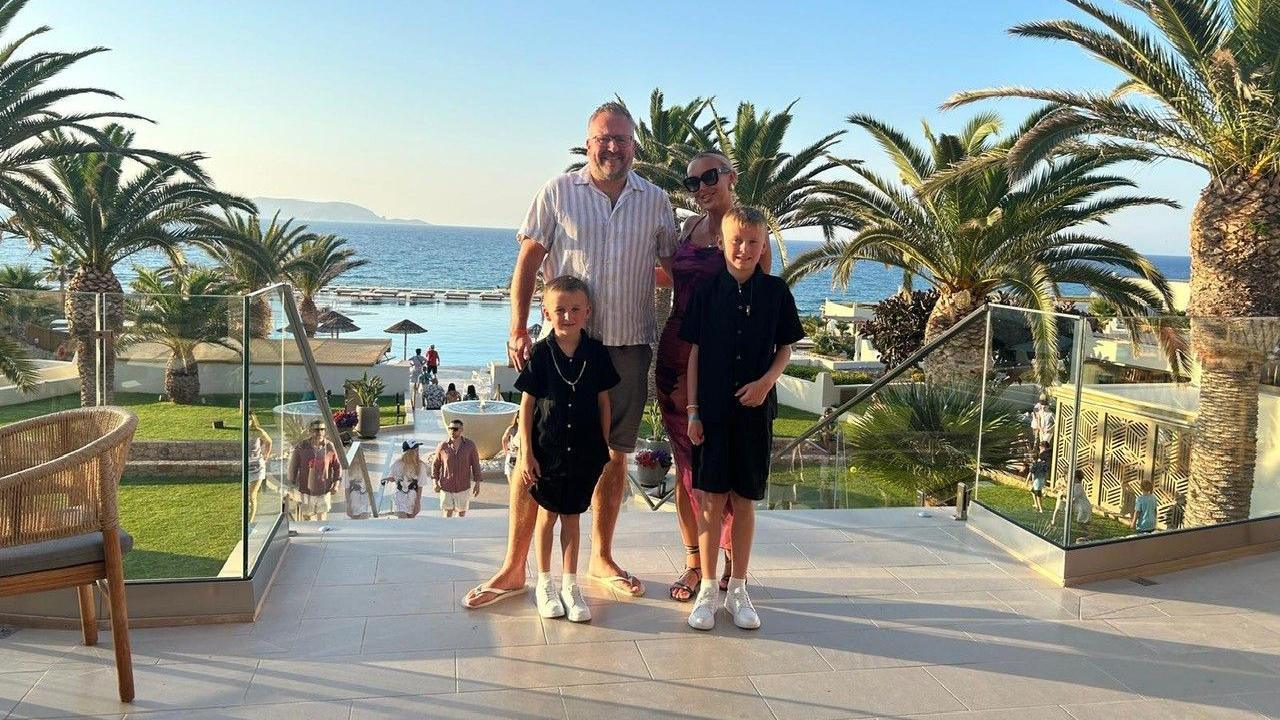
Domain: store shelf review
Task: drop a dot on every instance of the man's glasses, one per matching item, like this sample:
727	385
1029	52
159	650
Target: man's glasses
455	428
708	178
619	140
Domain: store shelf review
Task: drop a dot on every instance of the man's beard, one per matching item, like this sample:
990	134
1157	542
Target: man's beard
599	172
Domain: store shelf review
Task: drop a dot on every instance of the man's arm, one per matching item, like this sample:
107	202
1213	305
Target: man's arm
532	253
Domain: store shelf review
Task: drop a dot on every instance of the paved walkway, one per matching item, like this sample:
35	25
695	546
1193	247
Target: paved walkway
867	613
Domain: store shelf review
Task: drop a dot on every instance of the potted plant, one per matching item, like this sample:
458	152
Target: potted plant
652	466
345	420
367	391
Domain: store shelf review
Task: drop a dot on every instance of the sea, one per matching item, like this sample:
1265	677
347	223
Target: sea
472	334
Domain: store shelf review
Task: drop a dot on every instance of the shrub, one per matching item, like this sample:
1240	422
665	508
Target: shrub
898	327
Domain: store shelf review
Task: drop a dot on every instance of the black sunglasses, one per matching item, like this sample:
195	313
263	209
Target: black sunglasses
709	178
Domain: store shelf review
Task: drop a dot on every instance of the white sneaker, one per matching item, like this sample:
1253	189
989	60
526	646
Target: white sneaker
549	605
576	609
738	603
703	615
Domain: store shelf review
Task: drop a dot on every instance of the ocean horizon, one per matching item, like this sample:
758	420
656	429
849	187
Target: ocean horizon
443	256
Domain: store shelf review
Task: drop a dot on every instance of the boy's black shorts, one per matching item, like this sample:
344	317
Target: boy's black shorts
734	454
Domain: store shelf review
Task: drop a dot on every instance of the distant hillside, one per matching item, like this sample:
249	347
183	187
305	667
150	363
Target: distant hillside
324	211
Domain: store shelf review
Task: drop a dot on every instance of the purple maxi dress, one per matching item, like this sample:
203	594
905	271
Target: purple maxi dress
690	267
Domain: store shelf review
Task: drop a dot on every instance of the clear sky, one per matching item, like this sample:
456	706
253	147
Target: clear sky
456	112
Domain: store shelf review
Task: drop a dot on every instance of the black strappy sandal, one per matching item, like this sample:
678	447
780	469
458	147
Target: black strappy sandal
680	584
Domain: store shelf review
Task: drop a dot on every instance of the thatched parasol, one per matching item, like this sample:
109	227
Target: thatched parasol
406	328
330	314
337	325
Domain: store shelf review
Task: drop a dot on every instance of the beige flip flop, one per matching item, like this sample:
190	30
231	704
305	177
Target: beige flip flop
498	595
612	581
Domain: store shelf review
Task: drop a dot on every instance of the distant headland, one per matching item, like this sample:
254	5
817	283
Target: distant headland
305	210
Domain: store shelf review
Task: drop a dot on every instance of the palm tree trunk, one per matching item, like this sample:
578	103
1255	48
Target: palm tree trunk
81	308
310	315
182	380
1235	251
959	360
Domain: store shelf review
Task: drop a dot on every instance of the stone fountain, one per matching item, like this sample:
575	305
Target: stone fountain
484	420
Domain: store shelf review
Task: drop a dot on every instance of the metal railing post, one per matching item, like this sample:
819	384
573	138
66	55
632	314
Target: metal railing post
982	402
245	339
1077	361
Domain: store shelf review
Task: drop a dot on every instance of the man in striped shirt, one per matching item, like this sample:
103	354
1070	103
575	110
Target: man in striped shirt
608	226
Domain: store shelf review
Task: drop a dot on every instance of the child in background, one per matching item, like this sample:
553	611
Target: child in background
1144	509
1038	476
563	436
740	325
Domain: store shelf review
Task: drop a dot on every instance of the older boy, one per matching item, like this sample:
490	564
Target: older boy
741	325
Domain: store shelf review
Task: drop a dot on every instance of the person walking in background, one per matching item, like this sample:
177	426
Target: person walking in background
456	472
407	474
314	474
564	429
259	454
698	260
1039	475
1144	509
611	226
417	369
433	361
432	394
1042	420
451	395
740	326
511	446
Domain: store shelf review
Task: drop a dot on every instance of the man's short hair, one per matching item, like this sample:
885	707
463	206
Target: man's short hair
613	107
567	284
748	216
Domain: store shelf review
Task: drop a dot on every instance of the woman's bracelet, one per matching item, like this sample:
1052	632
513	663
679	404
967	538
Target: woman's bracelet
691	406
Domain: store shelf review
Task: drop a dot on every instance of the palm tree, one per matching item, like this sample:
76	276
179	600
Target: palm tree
59	265
180	307
976	232
254	257
791	187
1202	86
923	437
98	217
323	259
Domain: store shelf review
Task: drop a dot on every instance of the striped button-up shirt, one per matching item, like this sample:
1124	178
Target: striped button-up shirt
613	247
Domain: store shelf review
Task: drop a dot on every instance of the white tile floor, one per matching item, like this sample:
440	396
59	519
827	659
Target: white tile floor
867	613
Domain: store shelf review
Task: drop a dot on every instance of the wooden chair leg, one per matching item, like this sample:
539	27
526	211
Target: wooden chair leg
88	614
119	614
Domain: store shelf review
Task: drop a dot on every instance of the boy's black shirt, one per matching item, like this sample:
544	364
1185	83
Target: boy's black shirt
735	346
566	423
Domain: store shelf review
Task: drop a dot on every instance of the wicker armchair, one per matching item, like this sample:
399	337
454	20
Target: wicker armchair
59	523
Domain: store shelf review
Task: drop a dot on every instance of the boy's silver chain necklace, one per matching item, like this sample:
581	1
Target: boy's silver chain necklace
573	384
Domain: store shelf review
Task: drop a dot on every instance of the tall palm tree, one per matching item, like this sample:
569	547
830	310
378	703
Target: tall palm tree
99	217
324	258
254	257
1202	86
180	307
973	233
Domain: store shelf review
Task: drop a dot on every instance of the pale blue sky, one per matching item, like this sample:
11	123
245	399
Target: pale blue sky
456	112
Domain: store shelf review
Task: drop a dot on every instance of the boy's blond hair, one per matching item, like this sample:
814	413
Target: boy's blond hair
748	216
1146	486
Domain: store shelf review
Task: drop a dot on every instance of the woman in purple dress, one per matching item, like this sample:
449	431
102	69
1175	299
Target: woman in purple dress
698	258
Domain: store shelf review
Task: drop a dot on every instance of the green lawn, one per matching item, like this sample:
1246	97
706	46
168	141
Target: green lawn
829	486
789	423
182	527
162	420
1015	503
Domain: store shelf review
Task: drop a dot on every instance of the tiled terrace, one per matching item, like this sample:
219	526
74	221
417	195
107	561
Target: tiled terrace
867	613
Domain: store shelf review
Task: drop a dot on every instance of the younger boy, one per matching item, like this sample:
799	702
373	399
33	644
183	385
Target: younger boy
1144	509
1038	476
563	436
741	324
